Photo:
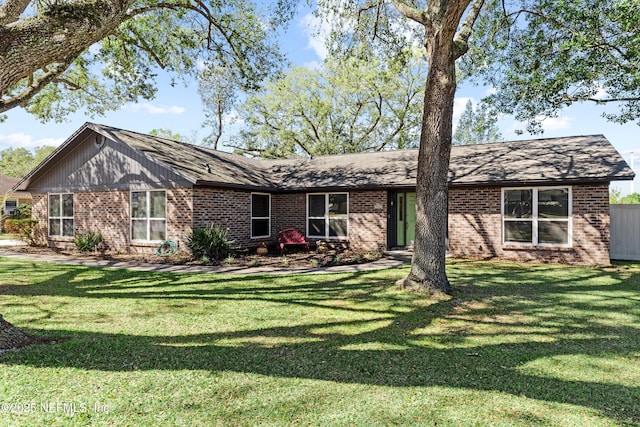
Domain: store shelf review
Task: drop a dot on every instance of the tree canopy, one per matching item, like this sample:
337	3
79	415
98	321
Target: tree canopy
348	105
477	126
18	162
543	55
59	57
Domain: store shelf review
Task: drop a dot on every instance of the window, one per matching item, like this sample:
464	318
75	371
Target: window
260	215
148	215
327	215
10	206
61	215
537	216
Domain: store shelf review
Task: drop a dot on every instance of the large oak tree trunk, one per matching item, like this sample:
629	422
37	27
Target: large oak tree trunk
12	337
428	267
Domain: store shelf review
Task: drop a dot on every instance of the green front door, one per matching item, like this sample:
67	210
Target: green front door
405	218
411	219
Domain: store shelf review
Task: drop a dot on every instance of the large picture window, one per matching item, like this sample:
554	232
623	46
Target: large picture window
537	216
327	215
61	215
260	215
148	215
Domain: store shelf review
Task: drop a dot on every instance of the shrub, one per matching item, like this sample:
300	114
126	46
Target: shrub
23	228
209	242
22	212
88	242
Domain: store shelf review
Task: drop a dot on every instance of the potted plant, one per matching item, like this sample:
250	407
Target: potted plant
262	249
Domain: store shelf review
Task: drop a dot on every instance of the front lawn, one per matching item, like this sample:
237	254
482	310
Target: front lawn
517	345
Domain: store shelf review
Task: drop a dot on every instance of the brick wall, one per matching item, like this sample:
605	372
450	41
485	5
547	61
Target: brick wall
227	208
109	213
106	212
39	212
368	220
288	211
475	228
367	217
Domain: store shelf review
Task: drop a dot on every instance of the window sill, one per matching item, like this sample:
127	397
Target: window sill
146	243
61	238
529	247
330	239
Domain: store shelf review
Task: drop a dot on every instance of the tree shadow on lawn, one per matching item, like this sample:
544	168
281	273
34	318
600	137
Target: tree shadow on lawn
521	319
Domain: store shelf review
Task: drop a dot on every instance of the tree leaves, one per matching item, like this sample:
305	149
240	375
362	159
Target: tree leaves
350	105
138	38
544	55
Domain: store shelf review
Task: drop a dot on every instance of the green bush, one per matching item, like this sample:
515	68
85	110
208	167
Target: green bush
23	228
22	212
88	242
209	242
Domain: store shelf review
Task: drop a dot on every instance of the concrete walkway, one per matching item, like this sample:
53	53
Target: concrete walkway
391	259
4	243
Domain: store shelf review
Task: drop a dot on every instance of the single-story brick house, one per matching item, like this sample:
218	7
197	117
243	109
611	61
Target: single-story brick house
545	199
9	199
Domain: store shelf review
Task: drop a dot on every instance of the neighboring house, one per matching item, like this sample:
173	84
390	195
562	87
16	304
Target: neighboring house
9	199
544	199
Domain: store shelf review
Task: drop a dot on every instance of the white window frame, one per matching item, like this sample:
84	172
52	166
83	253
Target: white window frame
535	220
7	210
148	219
268	218
61	217
326	217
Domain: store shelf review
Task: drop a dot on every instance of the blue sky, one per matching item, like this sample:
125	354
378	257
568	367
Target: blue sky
179	109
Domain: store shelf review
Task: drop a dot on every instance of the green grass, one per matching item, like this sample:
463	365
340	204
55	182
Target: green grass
517	345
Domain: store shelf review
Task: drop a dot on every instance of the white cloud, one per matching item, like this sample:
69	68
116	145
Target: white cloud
459	104
556	123
156	109
317	32
22	140
492	90
232	118
602	93
549	125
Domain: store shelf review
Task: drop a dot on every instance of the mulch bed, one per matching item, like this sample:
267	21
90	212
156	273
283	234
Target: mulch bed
292	258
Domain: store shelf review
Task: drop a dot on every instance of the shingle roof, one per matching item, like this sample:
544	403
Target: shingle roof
589	158
7	183
576	159
200	164
553	160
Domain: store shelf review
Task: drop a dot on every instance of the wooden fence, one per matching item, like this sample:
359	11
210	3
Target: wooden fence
625	232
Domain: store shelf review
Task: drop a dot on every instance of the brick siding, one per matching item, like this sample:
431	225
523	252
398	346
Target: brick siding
368	220
109	213
367	217
227	208
475	227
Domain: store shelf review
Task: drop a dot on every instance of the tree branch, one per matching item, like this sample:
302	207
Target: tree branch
569	98
461	39
411	12
10	10
35	86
